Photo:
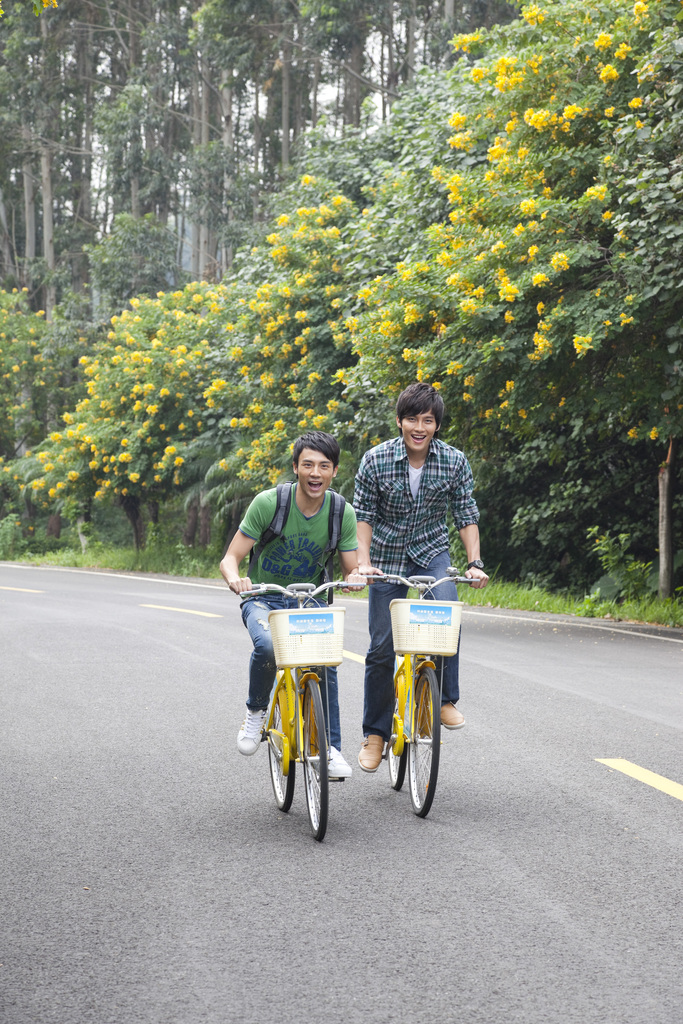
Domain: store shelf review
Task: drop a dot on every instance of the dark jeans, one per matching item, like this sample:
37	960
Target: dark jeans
262	666
378	708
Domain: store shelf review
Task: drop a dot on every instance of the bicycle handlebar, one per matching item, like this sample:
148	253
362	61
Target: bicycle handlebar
424	582
299	589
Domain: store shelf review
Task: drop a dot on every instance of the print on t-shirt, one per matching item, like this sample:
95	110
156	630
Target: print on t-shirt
296	557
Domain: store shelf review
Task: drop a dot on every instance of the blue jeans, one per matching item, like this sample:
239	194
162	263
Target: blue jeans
378	707
262	666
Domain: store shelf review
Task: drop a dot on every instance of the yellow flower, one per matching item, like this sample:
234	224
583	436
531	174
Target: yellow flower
633	433
178	460
609	73
533	14
540	279
636	102
654	434
582	344
622	51
528	207
609	111
603	42
559	261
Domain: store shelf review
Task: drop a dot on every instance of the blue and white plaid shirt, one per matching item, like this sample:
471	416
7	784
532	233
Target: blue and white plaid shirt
407	529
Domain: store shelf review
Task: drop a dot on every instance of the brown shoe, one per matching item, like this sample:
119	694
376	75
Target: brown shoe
371	753
451	718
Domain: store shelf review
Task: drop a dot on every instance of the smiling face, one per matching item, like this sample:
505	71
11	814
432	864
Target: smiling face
315	472
417	432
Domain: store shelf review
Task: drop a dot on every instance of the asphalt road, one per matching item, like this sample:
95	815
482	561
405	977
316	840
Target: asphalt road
147	875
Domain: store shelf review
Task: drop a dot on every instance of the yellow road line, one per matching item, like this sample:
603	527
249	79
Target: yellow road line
643	775
354	657
23	590
185	611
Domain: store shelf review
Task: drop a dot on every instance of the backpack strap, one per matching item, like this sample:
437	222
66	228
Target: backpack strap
335	520
277	523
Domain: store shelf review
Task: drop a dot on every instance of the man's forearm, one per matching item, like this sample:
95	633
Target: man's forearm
364	542
469	535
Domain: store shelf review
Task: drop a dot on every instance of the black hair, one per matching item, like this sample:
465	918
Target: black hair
420	398
319	441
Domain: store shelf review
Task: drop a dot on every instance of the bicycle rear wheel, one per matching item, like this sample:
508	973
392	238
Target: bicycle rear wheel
315	759
424	749
279	755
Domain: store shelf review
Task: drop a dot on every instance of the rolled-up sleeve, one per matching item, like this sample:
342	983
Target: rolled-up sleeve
463	505
366	491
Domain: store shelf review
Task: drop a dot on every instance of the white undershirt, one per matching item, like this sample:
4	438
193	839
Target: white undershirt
414	476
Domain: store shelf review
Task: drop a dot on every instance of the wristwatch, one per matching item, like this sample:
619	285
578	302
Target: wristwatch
475	564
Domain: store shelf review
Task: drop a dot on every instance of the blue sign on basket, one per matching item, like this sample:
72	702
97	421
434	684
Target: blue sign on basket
311	623
422	614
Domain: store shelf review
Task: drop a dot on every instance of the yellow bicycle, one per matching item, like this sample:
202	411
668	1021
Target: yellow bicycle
422	631
305	639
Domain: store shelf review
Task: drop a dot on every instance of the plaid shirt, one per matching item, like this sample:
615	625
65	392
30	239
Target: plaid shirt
405	529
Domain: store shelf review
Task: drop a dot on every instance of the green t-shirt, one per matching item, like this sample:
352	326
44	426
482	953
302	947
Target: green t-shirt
296	556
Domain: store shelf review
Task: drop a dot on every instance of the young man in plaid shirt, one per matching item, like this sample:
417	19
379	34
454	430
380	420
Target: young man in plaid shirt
403	490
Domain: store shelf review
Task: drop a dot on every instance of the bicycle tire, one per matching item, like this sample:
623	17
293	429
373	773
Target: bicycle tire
425	745
314	757
283	785
397	767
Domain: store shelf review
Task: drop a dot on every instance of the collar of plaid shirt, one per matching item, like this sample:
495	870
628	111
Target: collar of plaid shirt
405	529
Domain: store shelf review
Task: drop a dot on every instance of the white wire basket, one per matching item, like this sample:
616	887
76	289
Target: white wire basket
307	636
426	627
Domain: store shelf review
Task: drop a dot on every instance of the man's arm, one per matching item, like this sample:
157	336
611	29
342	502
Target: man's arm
365	566
349	565
239	548
469	535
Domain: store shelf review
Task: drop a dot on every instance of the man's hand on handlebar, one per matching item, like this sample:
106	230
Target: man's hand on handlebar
479	576
239	585
355	581
365	569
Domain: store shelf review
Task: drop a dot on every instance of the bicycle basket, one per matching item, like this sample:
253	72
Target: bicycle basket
425	627
307	636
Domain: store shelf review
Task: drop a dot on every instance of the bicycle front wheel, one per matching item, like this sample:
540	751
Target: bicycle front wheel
425	746
315	759
279	754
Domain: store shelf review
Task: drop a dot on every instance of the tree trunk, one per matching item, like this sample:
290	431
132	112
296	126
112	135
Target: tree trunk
204	124
190	531
229	150
286	93
29	211
449	10
314	92
195	115
411	27
666	482
54	525
205	525
131	506
82	535
48	231
9	270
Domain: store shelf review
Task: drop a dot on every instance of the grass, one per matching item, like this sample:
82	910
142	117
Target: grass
180	561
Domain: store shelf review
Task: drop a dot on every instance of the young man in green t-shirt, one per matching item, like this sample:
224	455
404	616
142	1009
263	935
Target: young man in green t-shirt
296	556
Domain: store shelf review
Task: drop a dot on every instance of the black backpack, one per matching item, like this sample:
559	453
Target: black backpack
277	525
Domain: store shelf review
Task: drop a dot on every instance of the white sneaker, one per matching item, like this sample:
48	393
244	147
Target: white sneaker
337	767
249	736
